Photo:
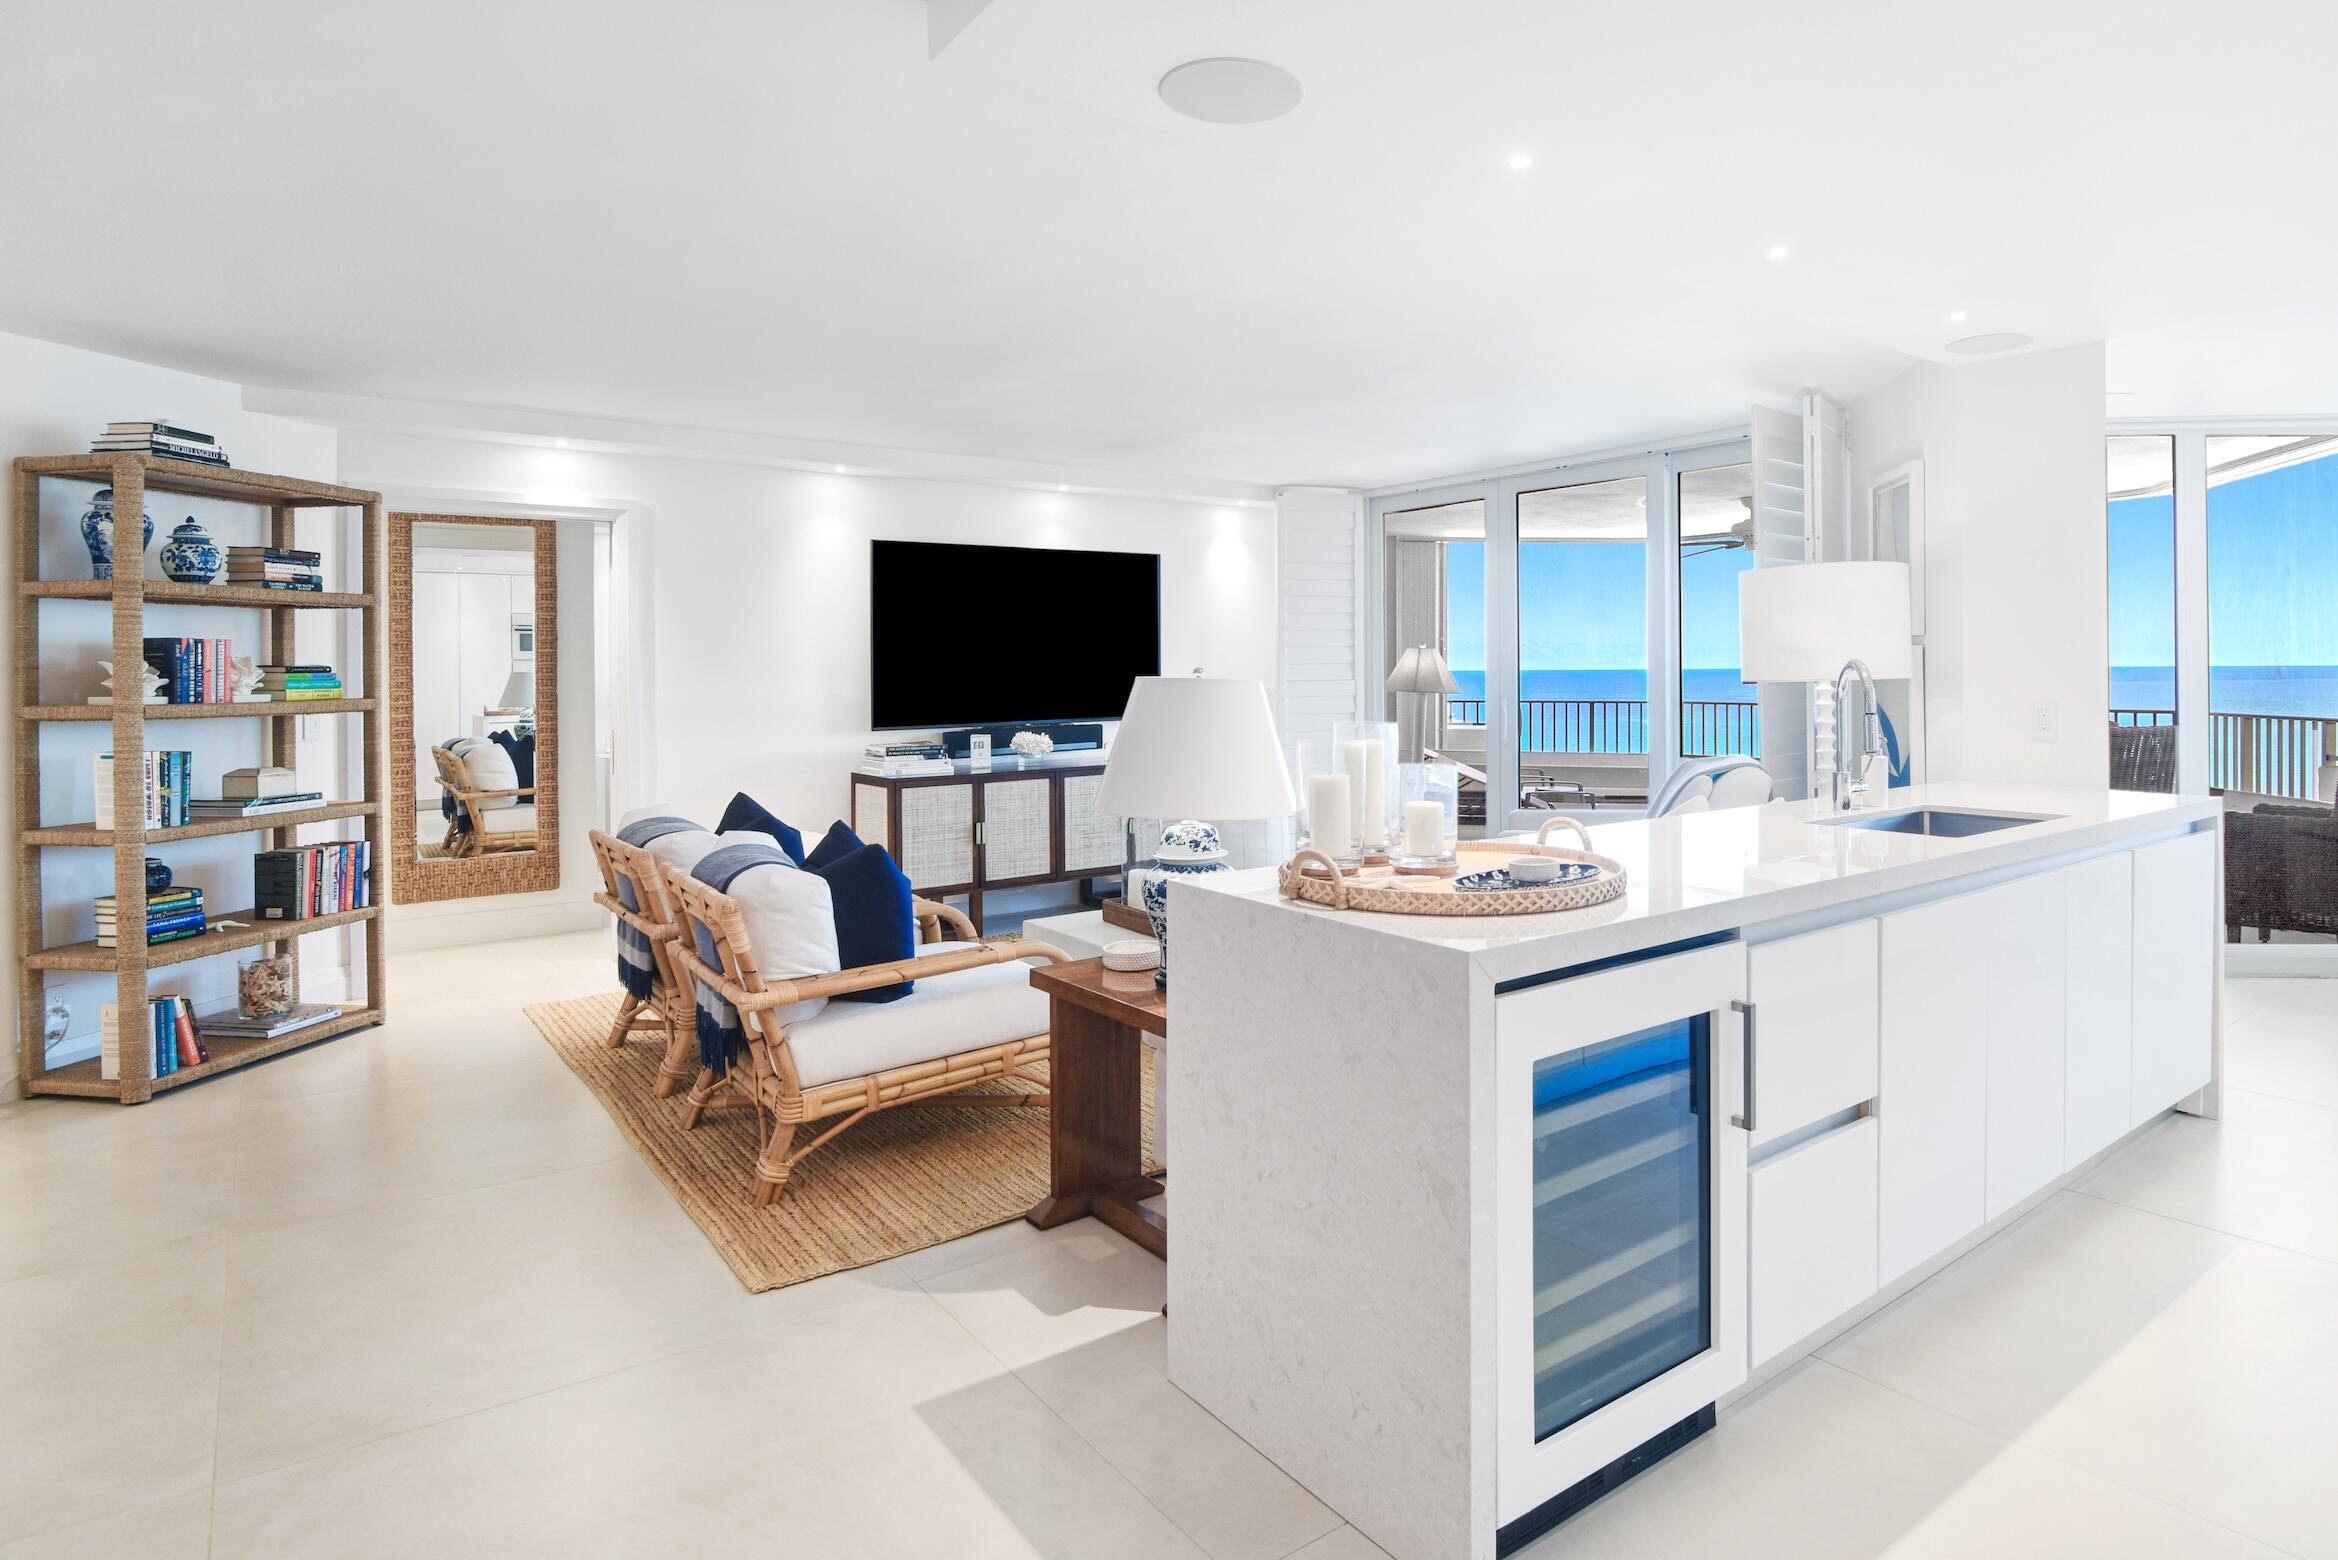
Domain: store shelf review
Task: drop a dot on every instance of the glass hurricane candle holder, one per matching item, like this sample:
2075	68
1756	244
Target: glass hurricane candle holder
1428	817
1327	803
1366	751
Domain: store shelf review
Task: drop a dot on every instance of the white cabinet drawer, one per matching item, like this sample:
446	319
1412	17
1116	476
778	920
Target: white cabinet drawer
1811	1237
1932	1092
1814	1000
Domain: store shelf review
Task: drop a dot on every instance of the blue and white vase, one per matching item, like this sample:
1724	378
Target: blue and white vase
157	874
97	533
1188	849
190	556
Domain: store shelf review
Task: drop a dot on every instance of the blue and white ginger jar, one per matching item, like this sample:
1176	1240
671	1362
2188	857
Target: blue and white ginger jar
190	556
1187	849
97	533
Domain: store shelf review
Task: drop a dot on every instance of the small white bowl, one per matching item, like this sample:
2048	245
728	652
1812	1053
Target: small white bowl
1535	869
1135	953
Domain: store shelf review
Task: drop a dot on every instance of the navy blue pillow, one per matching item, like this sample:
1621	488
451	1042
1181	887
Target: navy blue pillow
838	842
748	814
873	920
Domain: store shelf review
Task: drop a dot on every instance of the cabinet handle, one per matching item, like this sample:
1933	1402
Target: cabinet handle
1746	1035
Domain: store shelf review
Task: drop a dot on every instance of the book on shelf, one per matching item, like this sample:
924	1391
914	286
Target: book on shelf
173	1037
194	671
311	584
170	916
274	557
157	428
907	768
208	809
906	750
310	880
230	1024
164	787
258	782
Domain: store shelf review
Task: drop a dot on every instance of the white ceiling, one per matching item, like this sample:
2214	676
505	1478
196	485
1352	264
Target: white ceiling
784	218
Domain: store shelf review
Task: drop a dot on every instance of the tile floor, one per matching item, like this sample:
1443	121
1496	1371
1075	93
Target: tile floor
411	1294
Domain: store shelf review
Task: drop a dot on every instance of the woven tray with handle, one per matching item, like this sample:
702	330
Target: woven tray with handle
1402	894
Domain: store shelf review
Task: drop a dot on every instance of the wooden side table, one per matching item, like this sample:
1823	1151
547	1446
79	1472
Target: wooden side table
1095	1160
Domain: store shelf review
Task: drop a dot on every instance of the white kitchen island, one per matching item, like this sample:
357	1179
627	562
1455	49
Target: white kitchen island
1475	1217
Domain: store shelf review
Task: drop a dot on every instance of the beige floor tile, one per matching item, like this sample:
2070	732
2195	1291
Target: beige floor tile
1115	1392
877	1428
88	1180
2267	1169
2249	996
322	1155
343	1330
2293	1055
1044	1300
109	1380
2159	1355
1830	1467
175	1529
1341	1544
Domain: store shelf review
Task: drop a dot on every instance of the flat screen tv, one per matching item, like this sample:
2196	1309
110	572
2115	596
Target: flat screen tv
981	636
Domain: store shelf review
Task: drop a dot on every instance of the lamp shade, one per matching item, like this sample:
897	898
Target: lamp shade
519	692
1196	747
1422	670
1800	622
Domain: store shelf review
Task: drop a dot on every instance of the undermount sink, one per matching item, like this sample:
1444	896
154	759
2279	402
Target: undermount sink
1939	822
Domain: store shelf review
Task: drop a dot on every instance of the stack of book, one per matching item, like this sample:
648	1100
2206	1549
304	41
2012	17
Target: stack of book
292	885
171	1032
162	438
256	793
298	683
172	915
275	568
194	671
167	778
228	1024
904	760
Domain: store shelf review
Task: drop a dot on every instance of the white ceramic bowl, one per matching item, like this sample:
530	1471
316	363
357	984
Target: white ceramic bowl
1535	869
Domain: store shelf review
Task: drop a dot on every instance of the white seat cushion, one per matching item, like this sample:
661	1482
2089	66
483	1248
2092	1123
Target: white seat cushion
490	769
511	820
943	1015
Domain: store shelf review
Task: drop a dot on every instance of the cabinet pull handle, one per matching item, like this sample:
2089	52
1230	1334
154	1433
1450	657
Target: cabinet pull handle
1746	1035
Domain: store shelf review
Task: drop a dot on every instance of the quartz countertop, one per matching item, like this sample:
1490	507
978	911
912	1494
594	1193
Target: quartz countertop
1691	875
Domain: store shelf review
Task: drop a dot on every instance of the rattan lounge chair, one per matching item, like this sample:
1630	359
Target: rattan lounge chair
630	878
967	1022
478	829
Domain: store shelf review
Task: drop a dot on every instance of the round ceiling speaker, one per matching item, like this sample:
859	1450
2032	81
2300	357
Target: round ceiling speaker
1230	91
1993	341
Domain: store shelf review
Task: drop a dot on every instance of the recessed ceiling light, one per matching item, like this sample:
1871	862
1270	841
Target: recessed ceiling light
1777	251
1229	91
1992	341
1956	316
840	471
1521	161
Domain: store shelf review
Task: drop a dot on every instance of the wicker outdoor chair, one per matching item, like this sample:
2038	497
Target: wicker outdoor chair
478	829
2143	758
2281	870
960	1027
635	893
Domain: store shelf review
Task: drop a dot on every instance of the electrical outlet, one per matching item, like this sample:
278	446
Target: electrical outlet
2045	724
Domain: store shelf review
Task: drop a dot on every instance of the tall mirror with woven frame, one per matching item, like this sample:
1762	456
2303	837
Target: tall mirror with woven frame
474	710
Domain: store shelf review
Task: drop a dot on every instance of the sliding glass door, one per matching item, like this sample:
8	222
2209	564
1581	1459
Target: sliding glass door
1433	579
1718	711
1582	685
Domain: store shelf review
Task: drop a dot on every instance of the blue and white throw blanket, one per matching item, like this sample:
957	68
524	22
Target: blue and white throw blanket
635	966
720	1035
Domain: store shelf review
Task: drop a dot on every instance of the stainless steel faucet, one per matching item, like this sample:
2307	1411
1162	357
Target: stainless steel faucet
1850	784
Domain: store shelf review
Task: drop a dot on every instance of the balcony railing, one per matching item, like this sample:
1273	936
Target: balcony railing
2272	755
1709	727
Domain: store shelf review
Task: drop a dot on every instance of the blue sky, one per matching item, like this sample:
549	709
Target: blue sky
2272	587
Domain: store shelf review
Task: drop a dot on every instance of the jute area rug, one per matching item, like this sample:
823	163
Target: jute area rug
901	1181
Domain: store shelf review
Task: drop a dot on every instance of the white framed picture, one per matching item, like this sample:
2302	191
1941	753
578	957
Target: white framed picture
1895	530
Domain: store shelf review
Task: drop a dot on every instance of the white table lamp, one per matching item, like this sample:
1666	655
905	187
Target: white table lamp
1422	670
1807	622
519	692
1191	749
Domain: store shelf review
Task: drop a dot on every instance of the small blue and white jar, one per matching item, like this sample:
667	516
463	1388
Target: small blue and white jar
190	556
97	533
1188	849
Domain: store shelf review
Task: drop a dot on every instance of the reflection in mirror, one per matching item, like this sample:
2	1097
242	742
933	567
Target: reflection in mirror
473	716
474	689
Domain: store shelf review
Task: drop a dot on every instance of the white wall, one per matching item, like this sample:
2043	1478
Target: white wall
758	585
2015	572
53	401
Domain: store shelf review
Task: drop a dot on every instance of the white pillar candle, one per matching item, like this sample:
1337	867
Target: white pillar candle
1329	828
1424	828
1364	761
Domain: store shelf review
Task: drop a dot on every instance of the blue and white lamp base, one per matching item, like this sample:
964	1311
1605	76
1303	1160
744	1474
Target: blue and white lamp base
1188	849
